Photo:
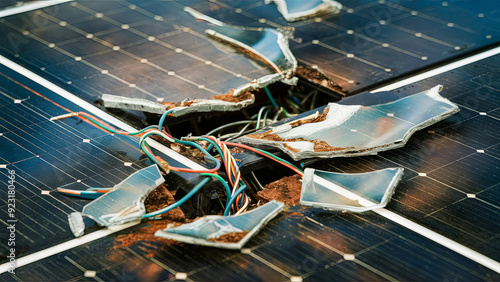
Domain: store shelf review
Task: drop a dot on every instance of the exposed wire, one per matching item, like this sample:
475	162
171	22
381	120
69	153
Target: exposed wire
181	201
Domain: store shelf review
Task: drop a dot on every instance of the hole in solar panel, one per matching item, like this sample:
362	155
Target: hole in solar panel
294	10
354	130
356	192
228	232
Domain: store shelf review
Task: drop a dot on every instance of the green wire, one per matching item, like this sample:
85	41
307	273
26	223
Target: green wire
112	130
181	201
224	183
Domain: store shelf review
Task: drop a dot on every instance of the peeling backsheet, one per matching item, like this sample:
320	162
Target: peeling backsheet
210	230
264	44
123	204
353	130
356	192
294	10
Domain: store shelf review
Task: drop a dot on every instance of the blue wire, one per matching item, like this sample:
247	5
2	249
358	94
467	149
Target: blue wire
271	97
162	119
181	201
233	198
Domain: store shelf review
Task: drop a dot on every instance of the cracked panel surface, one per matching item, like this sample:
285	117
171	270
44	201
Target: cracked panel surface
294	10
185	107
265	44
353	130
208	230
356	192
126	201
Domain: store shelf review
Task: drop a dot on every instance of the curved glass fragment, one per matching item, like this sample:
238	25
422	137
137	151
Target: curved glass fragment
356	192
265	44
208	230
126	201
353	130
294	10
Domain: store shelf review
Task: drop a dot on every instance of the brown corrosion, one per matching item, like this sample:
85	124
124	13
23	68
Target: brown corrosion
190	153
319	118
230	98
317	77
171	105
268	135
158	198
232	237
286	190
319	146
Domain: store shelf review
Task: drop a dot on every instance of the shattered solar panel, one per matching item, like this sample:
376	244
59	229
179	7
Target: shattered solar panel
266	44
225	102
356	192
294	10
211	230
123	204
353	130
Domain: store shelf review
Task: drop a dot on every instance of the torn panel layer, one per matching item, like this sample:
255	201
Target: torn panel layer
264	44
294	10
216	231
219	103
122	204
353	130
356	192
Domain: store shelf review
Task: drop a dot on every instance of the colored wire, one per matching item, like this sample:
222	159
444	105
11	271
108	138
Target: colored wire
259	116
265	117
162	119
233	198
181	201
221	180
229	125
268	155
271	97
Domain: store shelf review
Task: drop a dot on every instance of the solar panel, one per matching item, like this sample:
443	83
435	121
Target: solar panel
374	41
93	47
450	184
47	154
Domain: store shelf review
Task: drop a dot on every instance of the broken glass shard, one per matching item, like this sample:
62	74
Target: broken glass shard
354	130
228	232
185	107
294	10
265	44
76	223
356	192
122	204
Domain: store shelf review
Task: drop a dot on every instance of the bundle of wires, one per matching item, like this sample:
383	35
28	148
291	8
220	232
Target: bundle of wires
236	199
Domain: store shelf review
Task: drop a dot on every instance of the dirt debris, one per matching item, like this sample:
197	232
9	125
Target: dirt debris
230	98
158	198
232	237
286	190
318	77
318	118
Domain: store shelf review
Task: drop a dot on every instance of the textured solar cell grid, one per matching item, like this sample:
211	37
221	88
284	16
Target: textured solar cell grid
152	50
373	41
451	181
309	243
46	155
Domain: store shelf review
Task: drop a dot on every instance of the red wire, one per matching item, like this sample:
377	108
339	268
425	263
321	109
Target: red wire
262	154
